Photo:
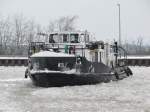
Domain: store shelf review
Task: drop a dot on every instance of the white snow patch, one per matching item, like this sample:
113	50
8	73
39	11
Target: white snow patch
12	80
138	57
51	54
18	58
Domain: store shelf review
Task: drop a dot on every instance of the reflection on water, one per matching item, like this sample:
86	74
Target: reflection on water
128	95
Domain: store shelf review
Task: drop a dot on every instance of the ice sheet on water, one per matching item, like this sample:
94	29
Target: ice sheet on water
12	72
128	95
12	80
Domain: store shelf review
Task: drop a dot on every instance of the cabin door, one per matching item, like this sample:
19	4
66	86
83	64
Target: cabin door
96	56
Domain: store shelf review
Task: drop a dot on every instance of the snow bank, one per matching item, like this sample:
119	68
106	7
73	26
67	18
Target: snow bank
138	57
24	58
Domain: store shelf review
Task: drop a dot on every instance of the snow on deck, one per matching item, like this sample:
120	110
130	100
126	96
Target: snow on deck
51	54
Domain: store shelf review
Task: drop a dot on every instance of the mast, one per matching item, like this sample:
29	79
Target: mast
119	40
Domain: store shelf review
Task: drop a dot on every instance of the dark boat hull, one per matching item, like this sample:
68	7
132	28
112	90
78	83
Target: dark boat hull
63	79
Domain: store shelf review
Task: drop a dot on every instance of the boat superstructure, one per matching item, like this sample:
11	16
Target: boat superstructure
72	58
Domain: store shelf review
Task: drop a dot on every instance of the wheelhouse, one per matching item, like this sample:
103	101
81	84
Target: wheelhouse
69	37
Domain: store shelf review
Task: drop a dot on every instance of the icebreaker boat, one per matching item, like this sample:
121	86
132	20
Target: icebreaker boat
72	58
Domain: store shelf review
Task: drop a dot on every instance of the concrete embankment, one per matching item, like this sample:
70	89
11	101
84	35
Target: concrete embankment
13	61
23	61
138	60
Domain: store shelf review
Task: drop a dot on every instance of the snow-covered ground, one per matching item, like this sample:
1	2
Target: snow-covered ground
14	58
129	95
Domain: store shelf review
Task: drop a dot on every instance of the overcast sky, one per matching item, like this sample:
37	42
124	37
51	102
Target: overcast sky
99	17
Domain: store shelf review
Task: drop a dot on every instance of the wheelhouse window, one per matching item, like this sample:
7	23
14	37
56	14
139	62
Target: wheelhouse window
74	38
87	38
54	38
65	38
68	37
84	37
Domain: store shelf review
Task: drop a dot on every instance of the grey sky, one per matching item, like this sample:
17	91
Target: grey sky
97	16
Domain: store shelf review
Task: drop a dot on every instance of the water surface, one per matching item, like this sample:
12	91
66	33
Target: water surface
129	95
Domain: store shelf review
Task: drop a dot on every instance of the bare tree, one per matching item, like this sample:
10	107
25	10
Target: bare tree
51	27
139	45
31	31
5	34
39	29
66	23
20	31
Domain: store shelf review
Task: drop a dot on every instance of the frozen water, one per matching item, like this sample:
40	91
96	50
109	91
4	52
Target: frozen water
129	95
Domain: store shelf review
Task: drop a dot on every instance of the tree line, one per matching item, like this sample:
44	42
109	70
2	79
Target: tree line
18	31
137	47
